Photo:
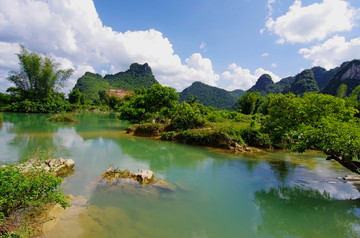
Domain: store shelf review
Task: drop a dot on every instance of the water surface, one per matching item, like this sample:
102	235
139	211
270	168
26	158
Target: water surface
216	194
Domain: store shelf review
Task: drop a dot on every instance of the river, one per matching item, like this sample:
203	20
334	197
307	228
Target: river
213	193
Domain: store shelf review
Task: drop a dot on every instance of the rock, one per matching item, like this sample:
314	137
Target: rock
70	163
52	218
57	166
162	184
145	176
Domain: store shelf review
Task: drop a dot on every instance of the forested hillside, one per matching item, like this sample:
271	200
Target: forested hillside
137	76
348	74
313	80
210	96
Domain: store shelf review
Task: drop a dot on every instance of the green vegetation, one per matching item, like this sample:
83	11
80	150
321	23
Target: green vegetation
304	82
314	121
137	76
148	104
347	74
21	191
90	84
323	76
210	96
63	117
262	84
306	121
37	84
251	103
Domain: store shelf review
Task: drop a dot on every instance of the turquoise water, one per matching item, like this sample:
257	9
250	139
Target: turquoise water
215	193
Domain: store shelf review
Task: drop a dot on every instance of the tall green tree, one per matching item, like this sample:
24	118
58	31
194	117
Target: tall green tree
76	97
39	77
250	103
149	103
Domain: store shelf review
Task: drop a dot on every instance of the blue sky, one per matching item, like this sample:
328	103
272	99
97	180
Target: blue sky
228	43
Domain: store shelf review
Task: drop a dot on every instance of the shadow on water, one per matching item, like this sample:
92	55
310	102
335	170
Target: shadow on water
294	211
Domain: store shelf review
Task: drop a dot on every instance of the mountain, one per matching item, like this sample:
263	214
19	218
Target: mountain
348	74
90	84
323	76
237	93
282	86
136	77
262	84
304	82
210	96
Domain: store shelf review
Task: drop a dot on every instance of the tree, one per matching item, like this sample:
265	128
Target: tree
149	103
250	103
39	77
341	91
76	97
314	121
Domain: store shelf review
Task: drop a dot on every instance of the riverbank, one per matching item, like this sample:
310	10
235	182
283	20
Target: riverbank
31	197
209	137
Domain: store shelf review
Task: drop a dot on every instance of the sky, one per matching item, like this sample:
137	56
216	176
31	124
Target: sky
223	43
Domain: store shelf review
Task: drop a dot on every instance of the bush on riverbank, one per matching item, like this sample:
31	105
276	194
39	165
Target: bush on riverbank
146	129
21	193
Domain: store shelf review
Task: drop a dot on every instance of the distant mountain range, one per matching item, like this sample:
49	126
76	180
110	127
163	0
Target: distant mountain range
316	79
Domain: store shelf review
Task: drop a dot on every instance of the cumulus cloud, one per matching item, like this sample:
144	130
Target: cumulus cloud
332	52
304	24
265	54
72	31
241	78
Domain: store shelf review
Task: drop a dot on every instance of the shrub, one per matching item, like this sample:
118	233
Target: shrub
19	190
186	117
168	135
149	129
253	137
63	117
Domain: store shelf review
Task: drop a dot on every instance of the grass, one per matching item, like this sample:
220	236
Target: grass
63	117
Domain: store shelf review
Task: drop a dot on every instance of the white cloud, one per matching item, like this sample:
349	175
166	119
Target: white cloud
304	24
72	30
243	78
274	65
270	7
196	68
203	46
265	54
332	52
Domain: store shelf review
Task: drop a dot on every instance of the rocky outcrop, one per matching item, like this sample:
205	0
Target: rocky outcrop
133	182
353	71
57	166
144	176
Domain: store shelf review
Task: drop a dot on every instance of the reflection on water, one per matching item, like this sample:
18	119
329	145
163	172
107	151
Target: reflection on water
216	193
294	211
